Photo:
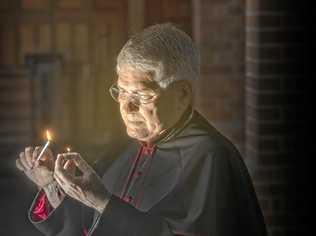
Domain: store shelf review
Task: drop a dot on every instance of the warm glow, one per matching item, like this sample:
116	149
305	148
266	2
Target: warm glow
48	135
68	149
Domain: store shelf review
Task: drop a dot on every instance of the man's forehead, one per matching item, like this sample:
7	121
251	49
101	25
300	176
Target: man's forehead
136	80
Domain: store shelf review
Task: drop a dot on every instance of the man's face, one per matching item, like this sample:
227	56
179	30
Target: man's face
146	122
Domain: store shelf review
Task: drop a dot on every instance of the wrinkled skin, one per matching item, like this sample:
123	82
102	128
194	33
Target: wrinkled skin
147	122
86	187
40	172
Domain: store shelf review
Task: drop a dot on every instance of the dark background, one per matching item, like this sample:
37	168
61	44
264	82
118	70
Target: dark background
57	60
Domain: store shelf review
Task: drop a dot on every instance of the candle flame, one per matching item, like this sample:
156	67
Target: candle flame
68	149
48	135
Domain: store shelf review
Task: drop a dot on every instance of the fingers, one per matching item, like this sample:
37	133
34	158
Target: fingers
25	160
60	176
65	174
71	189
29	155
59	181
19	165
81	163
78	161
35	155
60	173
59	163
66	181
25	164
70	167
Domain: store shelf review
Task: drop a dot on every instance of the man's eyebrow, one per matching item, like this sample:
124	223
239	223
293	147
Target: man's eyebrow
136	91
151	85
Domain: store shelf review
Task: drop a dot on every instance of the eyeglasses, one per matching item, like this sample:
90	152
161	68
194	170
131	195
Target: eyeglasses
119	94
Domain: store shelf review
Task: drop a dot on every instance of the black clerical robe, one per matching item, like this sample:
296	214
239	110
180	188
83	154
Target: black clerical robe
193	181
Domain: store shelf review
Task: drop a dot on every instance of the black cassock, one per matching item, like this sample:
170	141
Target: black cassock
192	182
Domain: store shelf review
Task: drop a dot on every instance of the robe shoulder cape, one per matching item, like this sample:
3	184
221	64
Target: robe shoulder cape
197	185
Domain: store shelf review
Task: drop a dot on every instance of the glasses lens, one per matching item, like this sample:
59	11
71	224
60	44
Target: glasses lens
121	95
114	91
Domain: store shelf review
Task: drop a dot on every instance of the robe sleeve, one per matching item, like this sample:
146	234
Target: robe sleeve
122	219
218	196
217	199
47	220
65	220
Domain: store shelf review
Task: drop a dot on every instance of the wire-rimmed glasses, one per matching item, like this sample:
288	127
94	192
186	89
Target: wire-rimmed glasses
137	98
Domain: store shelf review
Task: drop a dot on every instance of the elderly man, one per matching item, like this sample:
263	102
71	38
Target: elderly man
179	176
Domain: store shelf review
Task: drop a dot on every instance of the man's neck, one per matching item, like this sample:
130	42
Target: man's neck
168	133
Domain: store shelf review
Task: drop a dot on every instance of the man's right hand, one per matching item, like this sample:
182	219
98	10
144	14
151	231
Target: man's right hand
40	172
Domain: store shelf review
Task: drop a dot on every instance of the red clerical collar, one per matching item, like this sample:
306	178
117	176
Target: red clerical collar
148	148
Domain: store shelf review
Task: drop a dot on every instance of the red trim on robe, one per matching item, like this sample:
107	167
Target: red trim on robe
85	232
42	208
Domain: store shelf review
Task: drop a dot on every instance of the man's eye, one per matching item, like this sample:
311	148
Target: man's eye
145	97
122	95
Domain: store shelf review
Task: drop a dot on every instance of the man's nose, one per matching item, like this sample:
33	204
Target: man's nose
130	106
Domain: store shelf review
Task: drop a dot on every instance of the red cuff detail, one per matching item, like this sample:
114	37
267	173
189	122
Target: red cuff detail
42	208
85	232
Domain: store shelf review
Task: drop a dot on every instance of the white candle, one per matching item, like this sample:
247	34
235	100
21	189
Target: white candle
43	150
45	147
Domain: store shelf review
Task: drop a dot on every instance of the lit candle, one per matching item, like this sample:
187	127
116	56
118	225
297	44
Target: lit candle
68	149
46	145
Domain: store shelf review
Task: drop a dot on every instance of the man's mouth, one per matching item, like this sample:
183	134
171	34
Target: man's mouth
133	119
135	122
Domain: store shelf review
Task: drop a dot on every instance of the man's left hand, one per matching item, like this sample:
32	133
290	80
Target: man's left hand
86	187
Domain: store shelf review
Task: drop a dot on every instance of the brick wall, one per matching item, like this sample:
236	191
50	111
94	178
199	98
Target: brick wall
15	115
218	29
87	36
275	112
176	11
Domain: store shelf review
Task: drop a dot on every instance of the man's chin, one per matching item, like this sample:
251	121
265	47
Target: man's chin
136	134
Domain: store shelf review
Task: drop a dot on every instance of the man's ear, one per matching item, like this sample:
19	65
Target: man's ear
184	94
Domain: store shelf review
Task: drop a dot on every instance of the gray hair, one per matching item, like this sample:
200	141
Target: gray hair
164	51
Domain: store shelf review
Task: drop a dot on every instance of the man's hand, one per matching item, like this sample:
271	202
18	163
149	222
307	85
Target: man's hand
87	187
40	172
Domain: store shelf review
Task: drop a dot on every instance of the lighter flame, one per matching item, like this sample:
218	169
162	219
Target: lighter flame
48	135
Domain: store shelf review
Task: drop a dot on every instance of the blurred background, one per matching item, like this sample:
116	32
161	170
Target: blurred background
57	61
